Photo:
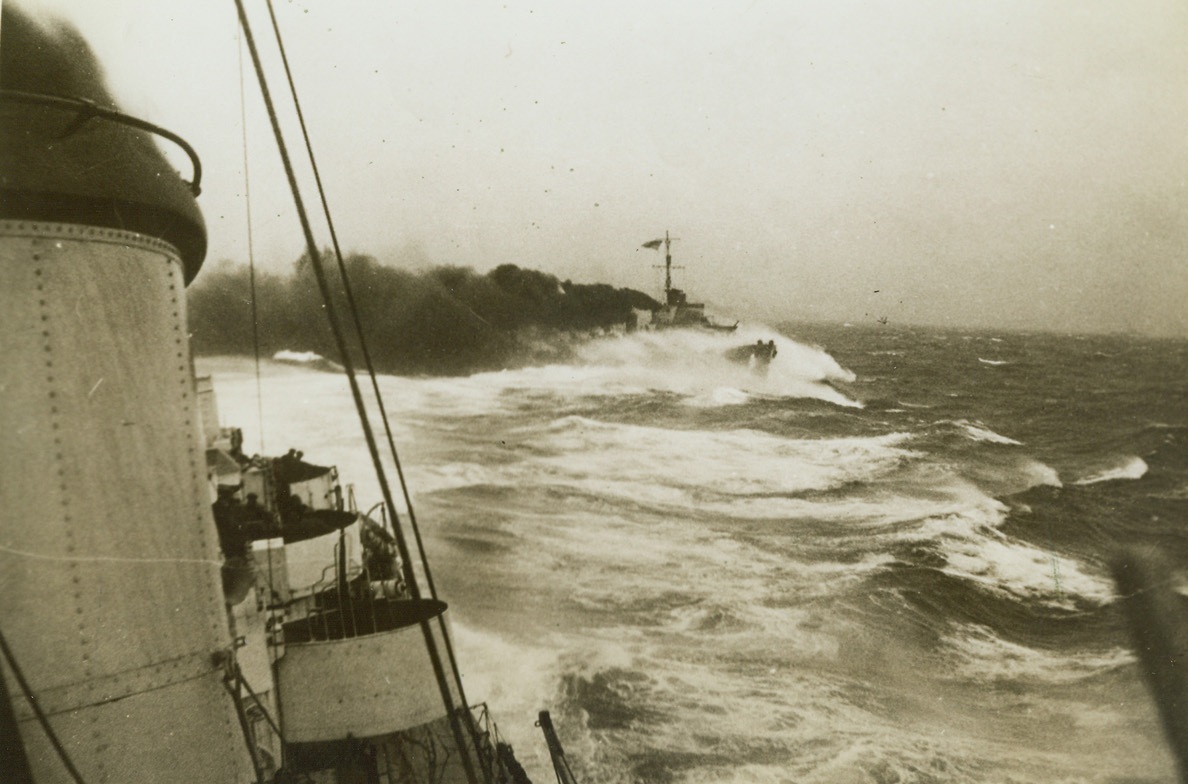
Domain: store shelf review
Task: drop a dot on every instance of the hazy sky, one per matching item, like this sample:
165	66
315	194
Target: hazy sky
1014	163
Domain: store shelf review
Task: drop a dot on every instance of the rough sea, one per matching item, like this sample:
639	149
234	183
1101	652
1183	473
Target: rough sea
883	560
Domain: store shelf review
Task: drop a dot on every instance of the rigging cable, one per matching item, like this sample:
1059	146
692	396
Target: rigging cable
354	310
247	198
366	353
356	393
14	759
272	616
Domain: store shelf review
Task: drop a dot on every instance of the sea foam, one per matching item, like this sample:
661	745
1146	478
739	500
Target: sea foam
734	462
980	655
975	551
979	432
695	363
1131	467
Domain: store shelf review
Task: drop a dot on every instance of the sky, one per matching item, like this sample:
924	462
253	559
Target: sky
1002	164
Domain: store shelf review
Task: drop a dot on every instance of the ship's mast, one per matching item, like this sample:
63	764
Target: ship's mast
655	245
667	265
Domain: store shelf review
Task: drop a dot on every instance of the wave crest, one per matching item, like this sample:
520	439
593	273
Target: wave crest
1131	467
695	363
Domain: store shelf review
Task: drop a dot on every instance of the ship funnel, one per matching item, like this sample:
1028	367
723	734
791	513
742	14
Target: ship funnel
112	601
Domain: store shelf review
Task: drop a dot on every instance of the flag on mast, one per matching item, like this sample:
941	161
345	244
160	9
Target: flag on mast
653	245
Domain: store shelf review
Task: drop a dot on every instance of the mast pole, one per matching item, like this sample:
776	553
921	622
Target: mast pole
667	266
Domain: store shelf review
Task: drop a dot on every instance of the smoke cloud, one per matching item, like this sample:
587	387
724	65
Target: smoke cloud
445	320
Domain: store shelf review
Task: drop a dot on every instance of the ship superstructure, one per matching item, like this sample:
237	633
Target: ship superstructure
677	311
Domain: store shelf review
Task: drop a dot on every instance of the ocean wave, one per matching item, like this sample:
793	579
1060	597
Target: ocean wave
758	718
979	432
945	436
517	675
308	359
993	362
451	476
1040	474
720	396
976	552
716	586
298	357
690	718
1131	467
1006	475
733	462
1163	426
980	655
695	363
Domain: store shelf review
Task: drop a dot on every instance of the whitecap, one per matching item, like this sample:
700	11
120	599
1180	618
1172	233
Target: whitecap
639	460
695	364
1132	467
1039	473
974	550
306	359
979	432
298	357
980	655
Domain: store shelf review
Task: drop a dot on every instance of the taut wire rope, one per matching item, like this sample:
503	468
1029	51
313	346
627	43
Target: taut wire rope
356	393
366	353
247	199
270	604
